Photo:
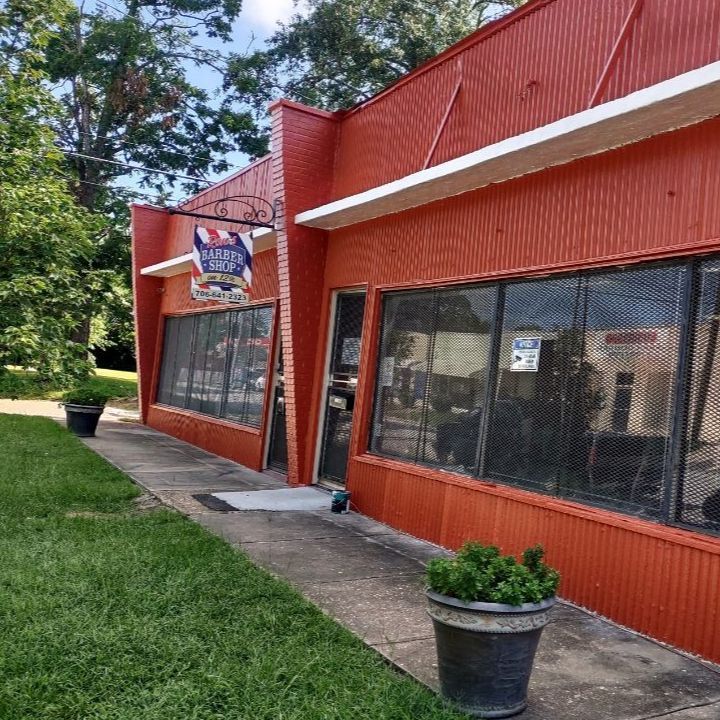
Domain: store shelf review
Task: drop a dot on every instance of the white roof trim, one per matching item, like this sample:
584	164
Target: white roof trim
168	268
263	239
680	101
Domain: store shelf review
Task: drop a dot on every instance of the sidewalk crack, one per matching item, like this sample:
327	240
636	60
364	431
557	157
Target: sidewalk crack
669	713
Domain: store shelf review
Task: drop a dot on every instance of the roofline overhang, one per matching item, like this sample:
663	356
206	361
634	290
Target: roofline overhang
683	100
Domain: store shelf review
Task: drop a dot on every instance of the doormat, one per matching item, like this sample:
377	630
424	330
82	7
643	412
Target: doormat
213	503
306	499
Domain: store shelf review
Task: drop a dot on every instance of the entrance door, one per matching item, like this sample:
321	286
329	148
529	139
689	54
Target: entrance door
342	382
277	452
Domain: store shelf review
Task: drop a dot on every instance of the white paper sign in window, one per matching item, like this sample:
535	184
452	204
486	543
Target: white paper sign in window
525	354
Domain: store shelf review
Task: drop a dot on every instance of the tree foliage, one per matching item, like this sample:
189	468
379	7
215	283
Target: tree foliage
45	238
339	52
122	74
123	79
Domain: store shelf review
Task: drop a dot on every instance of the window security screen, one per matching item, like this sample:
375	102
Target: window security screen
217	363
697	502
344	364
591	386
432	377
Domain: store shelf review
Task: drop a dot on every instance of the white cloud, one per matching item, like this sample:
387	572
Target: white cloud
263	15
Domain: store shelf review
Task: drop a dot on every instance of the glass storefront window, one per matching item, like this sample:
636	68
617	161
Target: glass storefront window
433	375
530	406
697	501
217	363
566	385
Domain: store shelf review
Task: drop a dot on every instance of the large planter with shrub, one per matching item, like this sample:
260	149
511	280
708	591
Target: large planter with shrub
488	612
83	409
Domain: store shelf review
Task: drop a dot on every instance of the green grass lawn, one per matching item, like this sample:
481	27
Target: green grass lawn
107	611
119	385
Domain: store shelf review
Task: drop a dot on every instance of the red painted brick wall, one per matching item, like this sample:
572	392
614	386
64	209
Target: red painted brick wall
303	149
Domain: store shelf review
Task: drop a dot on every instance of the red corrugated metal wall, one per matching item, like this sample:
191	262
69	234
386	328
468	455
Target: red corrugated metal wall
171	236
660	581
529	72
255	179
648	196
148	226
656	198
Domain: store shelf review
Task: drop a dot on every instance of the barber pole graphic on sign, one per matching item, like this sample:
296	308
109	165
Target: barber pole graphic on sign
221	266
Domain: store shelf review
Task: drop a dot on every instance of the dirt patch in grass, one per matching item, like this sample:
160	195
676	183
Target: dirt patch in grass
142	504
146	503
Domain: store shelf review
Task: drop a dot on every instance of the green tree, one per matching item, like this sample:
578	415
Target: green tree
45	238
121	73
122	77
339	52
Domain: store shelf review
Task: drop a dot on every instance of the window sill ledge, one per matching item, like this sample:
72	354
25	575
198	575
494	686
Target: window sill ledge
210	419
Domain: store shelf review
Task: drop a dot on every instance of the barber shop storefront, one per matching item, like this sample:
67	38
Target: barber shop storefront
488	304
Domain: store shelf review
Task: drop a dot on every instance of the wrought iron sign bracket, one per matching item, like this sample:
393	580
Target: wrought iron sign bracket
252	210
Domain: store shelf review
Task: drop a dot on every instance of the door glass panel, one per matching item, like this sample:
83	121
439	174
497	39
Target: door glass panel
344	363
278	454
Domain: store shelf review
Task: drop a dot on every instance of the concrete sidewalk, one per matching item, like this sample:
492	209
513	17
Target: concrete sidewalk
370	578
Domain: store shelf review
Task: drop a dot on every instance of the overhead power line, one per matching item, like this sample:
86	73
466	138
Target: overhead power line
170	152
125	191
137	168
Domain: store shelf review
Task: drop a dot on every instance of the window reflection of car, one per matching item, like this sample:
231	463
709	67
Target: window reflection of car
631	462
457	442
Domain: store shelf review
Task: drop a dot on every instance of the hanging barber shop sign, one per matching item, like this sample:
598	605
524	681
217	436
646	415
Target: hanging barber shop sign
221	266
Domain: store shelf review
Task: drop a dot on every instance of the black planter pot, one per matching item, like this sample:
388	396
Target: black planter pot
486	652
82	420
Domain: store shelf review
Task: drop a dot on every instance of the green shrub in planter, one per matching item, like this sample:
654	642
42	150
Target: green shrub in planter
83	408
85	396
479	573
488	611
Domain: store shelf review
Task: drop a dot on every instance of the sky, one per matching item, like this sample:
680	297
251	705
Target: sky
256	22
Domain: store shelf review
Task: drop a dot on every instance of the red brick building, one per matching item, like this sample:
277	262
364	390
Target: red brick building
489	304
